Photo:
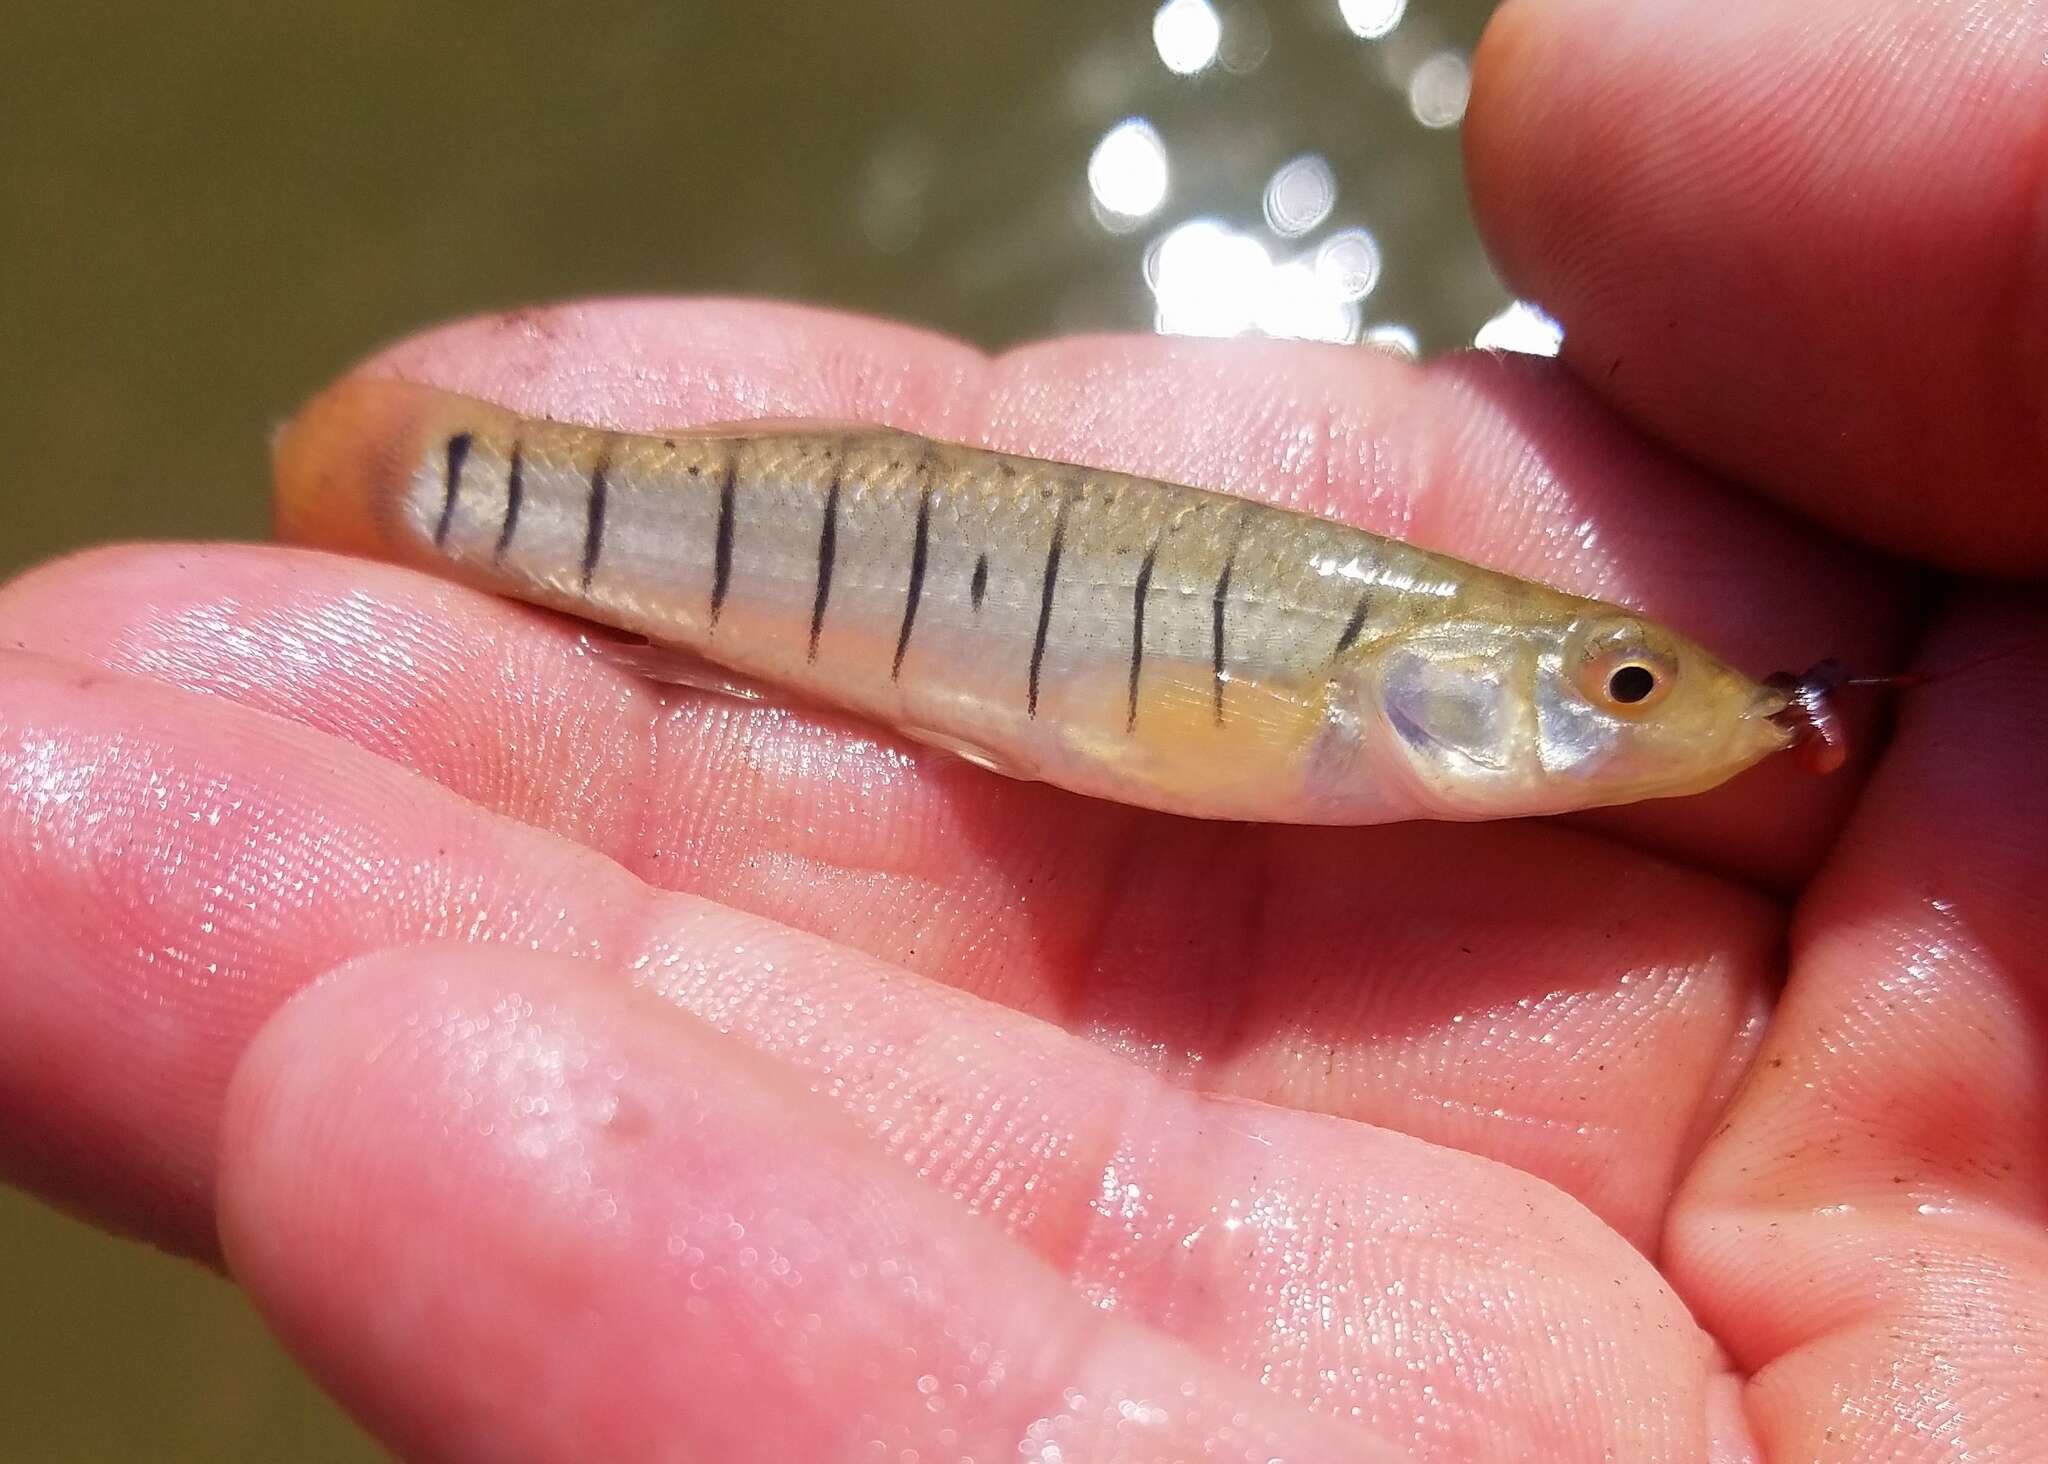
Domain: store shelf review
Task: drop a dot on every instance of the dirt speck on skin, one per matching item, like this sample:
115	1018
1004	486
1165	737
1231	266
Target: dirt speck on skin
528	323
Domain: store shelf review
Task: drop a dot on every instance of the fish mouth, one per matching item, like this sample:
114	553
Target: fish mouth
1806	713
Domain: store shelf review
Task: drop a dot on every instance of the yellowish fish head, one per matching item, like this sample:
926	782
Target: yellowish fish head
1579	710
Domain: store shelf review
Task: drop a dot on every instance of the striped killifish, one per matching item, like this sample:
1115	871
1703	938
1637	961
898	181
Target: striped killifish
1127	638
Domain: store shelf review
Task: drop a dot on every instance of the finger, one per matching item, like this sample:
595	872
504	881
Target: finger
1560	1003
1802	243
446	1169
183	875
1867	1234
1499	462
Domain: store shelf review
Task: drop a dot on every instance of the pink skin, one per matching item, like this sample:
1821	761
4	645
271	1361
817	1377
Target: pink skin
620	1235
707	1080
1800	242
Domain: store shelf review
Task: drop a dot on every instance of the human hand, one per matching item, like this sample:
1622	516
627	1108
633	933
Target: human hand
1078	1126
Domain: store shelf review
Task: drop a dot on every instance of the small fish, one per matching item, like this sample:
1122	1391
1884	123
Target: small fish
1130	639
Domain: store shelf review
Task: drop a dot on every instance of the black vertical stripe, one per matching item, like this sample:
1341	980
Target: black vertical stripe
515	490
1217	614
1355	624
978	590
1045	594
593	516
458	449
721	561
828	545
919	547
1144	586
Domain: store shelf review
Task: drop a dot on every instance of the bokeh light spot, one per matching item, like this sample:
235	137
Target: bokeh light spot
1295	305
1187	34
1521	328
1300	195
1439	89
1395	339
1371	19
1207	280
1127	172
1349	264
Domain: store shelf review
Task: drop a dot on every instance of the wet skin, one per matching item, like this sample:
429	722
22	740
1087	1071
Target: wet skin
738	1082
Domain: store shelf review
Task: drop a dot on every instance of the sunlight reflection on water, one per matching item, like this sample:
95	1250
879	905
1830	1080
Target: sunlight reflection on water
1224	272
1289	172
1188	34
1371	19
1127	173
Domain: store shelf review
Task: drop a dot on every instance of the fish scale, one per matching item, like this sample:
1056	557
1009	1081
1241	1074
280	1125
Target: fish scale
1127	638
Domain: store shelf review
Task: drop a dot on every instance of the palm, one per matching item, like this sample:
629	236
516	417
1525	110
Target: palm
1489	1141
1551	997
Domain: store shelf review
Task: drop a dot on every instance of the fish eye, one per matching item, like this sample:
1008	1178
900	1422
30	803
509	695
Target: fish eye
1630	684
1626	680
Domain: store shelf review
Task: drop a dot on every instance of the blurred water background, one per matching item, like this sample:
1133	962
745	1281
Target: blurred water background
206	211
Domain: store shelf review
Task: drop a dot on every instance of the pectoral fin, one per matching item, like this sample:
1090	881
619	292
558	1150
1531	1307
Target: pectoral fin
966	751
674	666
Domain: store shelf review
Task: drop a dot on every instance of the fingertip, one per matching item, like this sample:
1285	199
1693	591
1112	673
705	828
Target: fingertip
1514	89
1799	245
1500	61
